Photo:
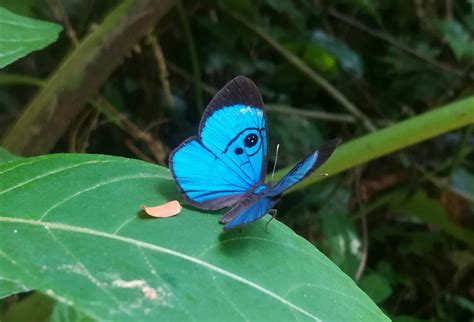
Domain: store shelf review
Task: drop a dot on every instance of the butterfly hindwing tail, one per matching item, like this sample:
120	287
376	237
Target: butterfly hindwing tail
305	167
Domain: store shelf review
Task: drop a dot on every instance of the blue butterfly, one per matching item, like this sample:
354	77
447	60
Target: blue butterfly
225	164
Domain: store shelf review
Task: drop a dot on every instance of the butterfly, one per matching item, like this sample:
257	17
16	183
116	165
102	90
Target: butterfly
226	163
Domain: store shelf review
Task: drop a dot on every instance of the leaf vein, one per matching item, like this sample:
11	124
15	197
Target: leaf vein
163	250
97	185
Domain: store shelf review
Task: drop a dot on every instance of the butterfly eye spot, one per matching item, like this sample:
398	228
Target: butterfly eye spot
238	151
251	140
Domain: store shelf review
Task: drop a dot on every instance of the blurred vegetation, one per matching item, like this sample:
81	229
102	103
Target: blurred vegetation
401	225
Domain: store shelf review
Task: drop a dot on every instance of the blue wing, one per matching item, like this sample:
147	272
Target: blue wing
214	169
304	168
247	212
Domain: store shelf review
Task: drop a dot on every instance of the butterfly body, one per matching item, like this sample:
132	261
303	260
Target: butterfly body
225	164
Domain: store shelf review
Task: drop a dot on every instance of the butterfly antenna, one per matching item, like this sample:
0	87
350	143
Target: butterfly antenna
276	159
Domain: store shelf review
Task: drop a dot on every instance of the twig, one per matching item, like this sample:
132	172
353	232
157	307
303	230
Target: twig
184	74
192	53
320	115
365	231
394	42
88	131
74	132
61	15
102	105
305	69
12	79
156	147
449	10
63	97
139	153
163	70
440	184
134	131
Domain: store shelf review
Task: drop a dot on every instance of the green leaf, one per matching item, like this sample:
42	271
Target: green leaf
72	228
319	59
432	212
21	35
347	58
458	38
7	156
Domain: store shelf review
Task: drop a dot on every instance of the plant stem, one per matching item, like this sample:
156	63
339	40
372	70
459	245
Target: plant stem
393	138
193	55
162	69
80	75
320	115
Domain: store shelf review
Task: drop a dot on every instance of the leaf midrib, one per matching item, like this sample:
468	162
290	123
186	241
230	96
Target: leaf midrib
152	247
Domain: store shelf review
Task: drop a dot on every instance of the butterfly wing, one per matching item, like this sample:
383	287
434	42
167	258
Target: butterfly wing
203	179
304	168
216	168
247	212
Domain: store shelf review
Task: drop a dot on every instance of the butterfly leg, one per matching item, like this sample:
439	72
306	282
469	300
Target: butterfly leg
272	212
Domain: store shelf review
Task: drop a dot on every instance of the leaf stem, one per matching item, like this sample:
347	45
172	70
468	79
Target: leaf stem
393	138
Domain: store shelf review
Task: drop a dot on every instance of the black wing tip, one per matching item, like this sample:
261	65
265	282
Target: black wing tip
239	90
333	143
325	152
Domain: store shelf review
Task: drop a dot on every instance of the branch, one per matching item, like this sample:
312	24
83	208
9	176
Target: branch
393	138
80	75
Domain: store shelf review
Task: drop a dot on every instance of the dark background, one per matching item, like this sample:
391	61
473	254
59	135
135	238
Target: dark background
391	59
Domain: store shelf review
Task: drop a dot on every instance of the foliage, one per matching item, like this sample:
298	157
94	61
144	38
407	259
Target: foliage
21	35
146	268
383	75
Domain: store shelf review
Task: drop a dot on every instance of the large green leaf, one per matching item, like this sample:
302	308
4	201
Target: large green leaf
71	228
20	36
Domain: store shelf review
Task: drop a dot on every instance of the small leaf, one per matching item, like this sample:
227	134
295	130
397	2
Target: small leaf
347	58
432	212
21	35
458	38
